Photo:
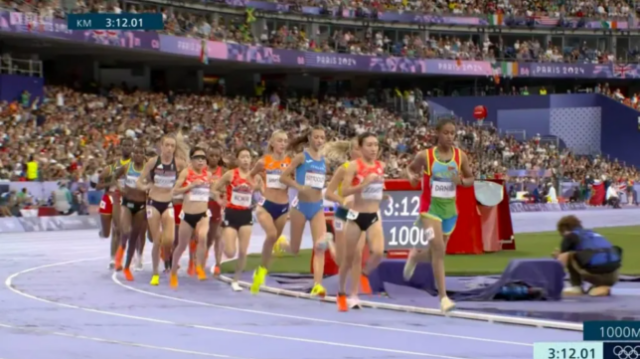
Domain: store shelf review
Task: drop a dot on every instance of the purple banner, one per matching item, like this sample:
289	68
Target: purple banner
54	28
546	207
17	22
266	55
413	17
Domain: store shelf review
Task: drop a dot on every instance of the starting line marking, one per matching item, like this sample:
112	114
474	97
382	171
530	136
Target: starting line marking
9	284
502	319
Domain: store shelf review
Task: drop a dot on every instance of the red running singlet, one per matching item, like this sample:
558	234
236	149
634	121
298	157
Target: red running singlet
239	192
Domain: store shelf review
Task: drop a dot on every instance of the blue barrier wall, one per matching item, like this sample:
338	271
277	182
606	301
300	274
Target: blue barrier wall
620	133
11	87
587	123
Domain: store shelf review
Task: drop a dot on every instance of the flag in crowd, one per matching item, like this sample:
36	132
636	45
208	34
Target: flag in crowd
495	19
204	54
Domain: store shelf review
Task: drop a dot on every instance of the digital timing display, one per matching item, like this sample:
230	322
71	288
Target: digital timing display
399	213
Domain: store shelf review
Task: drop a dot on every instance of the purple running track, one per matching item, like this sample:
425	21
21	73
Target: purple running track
60	299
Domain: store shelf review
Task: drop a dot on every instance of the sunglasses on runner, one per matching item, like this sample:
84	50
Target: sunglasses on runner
199	157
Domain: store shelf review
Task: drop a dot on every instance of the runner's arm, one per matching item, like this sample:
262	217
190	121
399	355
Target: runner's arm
144	176
331	193
286	177
102	180
178	188
417	165
219	185
467	174
257	169
347	188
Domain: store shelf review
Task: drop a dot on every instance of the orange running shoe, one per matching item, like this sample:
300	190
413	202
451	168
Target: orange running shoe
341	300
191	270
119	257
202	275
127	274
173	280
365	287
216	271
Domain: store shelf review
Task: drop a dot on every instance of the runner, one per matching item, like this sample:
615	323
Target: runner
196	183
274	207
444	168
310	174
110	214
363	178
216	169
162	171
133	209
238	217
338	151
177	209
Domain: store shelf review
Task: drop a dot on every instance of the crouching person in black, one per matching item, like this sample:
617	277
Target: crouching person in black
587	257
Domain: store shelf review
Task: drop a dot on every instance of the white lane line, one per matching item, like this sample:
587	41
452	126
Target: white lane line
317	320
9	284
118	342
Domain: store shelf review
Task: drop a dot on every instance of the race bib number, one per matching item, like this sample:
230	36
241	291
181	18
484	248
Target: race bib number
314	180
181	215
373	191
294	201
130	182
261	201
209	213
338	225
129	205
199	194
103	205
443	189
149	212
241	199
121	183
273	181
164	181
352	215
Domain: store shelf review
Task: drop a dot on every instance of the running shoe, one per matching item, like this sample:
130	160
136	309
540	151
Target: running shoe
410	266
191	270
215	270
447	305
601	291
200	272
127	274
365	286
235	286
341	301
280	246
259	276
318	291
155	280
173	280
354	302
139	263
572	291
119	257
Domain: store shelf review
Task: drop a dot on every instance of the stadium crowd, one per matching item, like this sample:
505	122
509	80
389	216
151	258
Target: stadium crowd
367	41
72	134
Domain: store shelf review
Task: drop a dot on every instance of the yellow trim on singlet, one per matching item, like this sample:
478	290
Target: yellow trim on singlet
345	165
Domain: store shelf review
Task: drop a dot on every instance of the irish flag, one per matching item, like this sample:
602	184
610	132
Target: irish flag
609	24
495	19
204	54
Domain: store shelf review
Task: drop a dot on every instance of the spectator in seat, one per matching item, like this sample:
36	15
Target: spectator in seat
62	199
613	198
588	257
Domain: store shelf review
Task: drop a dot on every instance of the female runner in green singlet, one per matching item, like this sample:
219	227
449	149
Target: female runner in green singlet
444	167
